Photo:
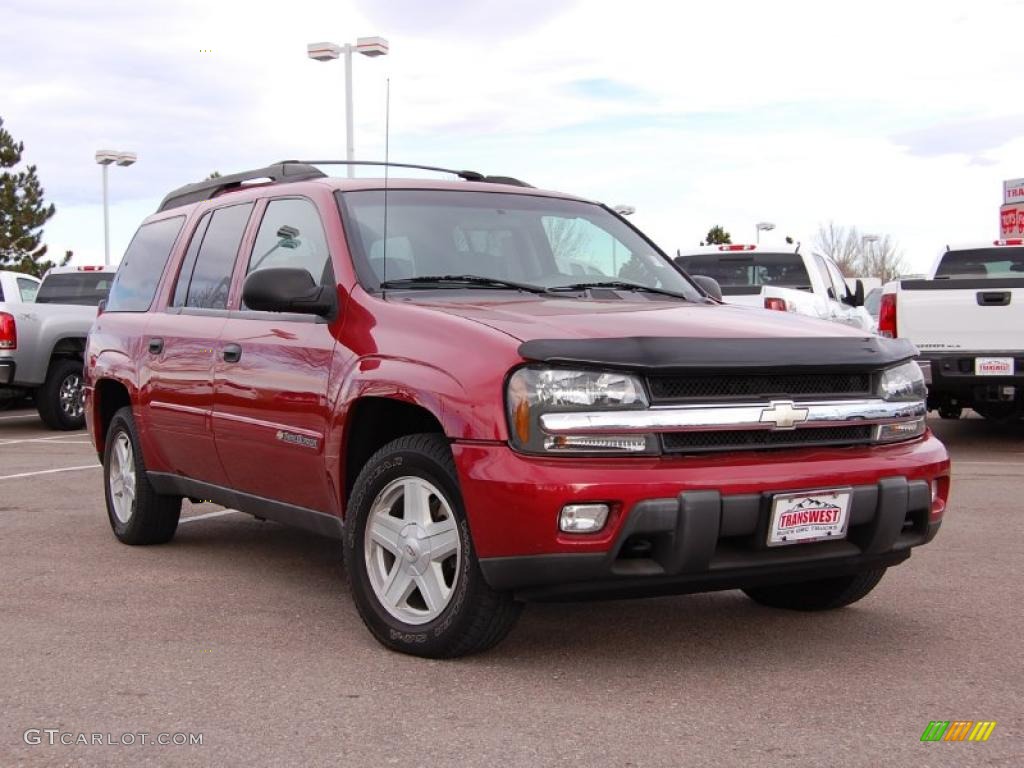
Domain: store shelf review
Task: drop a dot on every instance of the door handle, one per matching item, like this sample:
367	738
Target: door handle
232	353
993	298
156	346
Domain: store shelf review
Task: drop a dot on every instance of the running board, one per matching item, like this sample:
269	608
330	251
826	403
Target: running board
287	514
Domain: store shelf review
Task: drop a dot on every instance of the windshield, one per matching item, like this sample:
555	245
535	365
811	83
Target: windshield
747	269
534	241
982	262
87	288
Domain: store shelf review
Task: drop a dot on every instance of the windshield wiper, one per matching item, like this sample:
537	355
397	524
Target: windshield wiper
428	281
618	285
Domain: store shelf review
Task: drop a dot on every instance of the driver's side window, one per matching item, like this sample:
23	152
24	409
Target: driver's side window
205	276
584	250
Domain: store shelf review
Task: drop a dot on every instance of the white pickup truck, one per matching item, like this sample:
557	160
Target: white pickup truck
17	287
967	318
774	278
42	342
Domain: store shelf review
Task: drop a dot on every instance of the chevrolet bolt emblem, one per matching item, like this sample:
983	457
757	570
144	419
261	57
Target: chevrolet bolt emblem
783	415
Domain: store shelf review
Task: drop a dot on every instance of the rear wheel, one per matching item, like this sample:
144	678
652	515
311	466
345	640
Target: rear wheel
950	411
818	595
137	513
59	400
409	555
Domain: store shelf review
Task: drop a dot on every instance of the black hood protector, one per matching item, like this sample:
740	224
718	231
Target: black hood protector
654	353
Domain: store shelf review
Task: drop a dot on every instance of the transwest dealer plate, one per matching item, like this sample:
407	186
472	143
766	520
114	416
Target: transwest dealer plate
809	516
993	366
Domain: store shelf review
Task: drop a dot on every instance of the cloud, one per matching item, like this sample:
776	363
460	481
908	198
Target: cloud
604	88
964	137
459	19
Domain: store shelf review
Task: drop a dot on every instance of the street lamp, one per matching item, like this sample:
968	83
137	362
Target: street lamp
763	226
107	157
368	46
864	240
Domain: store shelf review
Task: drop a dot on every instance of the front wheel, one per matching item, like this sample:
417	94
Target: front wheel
818	595
409	556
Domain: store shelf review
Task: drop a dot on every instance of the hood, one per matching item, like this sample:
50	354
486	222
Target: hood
527	318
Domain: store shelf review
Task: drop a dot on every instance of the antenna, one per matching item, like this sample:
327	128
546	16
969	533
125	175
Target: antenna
387	142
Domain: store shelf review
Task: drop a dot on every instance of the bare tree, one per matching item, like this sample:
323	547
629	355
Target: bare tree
883	259
567	237
855	256
841	244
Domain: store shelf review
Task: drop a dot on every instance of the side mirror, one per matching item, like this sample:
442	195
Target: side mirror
287	289
858	294
709	285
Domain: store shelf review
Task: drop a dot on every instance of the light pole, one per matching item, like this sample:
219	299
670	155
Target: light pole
863	241
763	226
368	46
105	157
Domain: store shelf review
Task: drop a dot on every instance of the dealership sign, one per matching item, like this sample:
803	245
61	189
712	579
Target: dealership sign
1011	213
1013	191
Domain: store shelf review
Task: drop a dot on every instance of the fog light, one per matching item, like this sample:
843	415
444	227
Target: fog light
583	518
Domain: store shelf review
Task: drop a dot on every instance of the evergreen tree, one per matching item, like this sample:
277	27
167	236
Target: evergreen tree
717	236
23	212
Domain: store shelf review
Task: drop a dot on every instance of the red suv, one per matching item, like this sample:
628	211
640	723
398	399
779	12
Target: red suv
489	394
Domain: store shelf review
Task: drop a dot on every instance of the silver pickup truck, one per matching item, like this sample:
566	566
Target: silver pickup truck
42	342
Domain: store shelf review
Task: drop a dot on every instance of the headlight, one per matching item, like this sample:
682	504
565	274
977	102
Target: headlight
534	391
903	383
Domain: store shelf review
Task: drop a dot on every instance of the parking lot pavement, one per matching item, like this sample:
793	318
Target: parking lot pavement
243	632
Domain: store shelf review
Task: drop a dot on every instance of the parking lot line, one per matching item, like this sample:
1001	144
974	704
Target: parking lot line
50	471
207	516
20	416
38	439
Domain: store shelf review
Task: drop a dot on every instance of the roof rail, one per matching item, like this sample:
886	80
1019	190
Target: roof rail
467	175
203	190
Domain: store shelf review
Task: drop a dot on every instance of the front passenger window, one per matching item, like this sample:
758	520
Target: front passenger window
291	235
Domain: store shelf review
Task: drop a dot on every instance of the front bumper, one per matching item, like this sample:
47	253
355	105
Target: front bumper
690	523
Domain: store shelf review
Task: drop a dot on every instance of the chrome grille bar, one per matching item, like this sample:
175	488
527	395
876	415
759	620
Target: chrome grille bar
746	416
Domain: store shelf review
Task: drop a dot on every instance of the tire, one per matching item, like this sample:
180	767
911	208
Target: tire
408	498
950	411
820	595
59	400
139	515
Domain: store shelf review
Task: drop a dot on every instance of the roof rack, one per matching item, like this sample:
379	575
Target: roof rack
203	190
467	175
301	170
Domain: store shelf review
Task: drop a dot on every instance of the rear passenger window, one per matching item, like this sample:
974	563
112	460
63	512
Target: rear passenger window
205	276
291	235
28	289
142	265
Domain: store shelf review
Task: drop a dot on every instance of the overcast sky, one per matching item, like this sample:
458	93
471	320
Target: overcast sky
898	117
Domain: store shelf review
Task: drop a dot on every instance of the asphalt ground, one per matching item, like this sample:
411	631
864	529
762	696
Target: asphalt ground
243	632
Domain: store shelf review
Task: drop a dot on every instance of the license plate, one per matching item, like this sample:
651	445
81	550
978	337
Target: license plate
993	366
809	516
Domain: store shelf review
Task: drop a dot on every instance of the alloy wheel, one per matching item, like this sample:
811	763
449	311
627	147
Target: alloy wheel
412	550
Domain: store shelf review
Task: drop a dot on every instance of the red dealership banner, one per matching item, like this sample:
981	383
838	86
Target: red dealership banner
1011	220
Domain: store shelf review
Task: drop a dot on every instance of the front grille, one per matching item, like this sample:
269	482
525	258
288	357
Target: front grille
703	442
676	388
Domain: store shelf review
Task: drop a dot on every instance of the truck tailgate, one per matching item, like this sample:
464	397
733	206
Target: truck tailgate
971	314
